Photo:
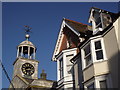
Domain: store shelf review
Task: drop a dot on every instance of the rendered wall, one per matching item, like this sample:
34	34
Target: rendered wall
111	46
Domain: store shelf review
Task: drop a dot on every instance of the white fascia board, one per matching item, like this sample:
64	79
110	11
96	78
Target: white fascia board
77	33
58	41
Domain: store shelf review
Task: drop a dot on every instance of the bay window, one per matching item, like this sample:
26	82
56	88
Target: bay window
93	52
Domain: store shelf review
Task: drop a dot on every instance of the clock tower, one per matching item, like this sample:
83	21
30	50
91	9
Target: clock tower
25	73
25	65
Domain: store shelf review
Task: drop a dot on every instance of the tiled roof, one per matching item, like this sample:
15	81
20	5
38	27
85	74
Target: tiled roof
79	27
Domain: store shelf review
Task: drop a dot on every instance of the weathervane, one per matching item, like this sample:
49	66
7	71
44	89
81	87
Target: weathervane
27	31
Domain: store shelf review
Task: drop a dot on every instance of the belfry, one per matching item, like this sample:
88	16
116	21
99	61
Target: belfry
26	49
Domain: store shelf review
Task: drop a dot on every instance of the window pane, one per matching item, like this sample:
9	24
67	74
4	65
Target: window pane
98	20
97	45
87	54
96	14
99	54
61	67
88	59
87	49
61	63
103	85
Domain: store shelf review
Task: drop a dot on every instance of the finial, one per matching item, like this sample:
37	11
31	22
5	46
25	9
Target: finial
27	31
43	71
43	75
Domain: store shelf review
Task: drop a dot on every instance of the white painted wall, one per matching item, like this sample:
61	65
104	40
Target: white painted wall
67	79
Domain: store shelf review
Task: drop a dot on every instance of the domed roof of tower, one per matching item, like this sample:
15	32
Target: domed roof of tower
26	43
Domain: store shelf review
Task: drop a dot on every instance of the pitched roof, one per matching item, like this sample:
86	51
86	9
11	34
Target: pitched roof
79	27
70	28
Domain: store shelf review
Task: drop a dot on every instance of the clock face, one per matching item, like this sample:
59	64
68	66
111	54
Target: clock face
27	69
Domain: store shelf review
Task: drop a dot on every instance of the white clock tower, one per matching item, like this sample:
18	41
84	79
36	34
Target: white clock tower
25	65
25	73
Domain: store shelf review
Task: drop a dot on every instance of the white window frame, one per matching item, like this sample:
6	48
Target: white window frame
101	19
95	26
93	52
83	56
58	67
102	78
89	54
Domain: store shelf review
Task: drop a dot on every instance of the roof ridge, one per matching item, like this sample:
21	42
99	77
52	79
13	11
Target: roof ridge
75	21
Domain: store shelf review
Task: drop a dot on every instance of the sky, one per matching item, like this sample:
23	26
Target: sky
45	19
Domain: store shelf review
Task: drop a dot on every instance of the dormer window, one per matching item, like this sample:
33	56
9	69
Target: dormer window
97	18
100	19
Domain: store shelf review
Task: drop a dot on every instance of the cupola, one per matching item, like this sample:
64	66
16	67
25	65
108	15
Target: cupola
26	49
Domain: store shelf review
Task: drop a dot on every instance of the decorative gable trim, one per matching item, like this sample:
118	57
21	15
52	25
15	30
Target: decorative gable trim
60	38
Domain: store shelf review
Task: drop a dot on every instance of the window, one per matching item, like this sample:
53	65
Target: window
103	85
97	17
87	54
98	23
91	87
98	50
106	19
92	52
61	67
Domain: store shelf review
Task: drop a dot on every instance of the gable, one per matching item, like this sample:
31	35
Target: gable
69	35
